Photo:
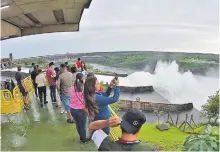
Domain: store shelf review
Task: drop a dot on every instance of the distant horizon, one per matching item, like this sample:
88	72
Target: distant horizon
116	52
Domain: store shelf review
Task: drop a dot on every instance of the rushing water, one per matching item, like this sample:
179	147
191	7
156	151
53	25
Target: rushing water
175	86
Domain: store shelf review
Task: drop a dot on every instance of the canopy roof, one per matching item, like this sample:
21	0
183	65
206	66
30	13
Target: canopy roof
29	17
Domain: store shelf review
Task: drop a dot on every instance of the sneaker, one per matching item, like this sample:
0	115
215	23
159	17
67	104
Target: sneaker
85	141
62	111
45	102
53	102
65	111
70	121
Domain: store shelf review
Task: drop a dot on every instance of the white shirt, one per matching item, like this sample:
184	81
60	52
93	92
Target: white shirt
98	137
40	80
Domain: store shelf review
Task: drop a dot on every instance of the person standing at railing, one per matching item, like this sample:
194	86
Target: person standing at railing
98	88
130	125
19	76
78	64
32	68
97	102
50	73
84	69
64	83
41	85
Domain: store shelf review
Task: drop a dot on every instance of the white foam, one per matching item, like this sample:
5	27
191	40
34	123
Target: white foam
175	86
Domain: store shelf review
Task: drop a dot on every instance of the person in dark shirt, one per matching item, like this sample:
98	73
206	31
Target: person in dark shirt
33	77
131	124
19	76
67	66
57	70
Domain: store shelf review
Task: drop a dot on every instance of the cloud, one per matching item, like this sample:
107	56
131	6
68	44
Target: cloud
128	25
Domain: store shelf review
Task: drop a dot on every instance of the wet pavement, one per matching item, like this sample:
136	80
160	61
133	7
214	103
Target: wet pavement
40	129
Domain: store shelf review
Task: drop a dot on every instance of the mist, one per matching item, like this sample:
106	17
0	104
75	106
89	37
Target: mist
175	86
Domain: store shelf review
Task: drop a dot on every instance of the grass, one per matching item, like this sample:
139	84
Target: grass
170	140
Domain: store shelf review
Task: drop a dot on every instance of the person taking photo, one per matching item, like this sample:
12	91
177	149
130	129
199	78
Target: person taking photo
97	103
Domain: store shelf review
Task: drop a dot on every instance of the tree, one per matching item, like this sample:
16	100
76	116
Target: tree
204	142
158	113
211	108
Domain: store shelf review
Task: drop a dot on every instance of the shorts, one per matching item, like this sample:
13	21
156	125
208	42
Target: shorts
23	92
66	102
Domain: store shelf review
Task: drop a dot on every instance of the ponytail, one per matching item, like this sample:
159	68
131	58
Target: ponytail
78	85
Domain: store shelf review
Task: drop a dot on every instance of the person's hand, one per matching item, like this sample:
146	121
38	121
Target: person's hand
114	83
114	121
111	83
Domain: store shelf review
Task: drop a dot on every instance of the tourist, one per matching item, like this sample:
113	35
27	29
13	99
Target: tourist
78	64
73	70
130	125
68	68
32	68
37	66
84	69
77	107
19	76
57	70
97	102
33	77
98	88
41	85
64	83
50	73
98	85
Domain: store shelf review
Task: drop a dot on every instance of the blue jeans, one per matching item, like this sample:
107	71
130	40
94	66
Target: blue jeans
66	102
79	117
106	129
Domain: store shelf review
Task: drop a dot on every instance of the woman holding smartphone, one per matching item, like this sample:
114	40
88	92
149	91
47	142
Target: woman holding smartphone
97	103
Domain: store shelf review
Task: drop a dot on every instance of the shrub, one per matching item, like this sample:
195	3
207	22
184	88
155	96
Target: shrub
204	142
211	108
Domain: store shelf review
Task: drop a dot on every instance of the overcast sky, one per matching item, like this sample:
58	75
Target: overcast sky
131	25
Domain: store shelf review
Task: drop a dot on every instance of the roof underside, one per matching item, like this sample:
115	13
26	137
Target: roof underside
29	17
